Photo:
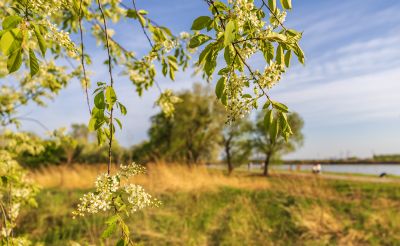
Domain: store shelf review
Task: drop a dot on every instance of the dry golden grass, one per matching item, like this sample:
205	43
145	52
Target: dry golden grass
159	177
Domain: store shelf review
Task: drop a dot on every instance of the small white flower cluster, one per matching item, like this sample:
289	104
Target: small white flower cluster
134	75
169	45
167	102
60	37
271	76
16	190
245	12
278	18
110	194
237	106
47	7
184	35
138	197
127	171
247	51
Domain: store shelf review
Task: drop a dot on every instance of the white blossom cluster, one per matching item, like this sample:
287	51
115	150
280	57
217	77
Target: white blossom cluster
271	75
138	198
169	45
278	17
60	37
237	106
15	191
47	7
246	14
167	101
110	194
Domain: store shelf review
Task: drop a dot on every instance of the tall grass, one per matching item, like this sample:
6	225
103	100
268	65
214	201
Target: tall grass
159	177
202	206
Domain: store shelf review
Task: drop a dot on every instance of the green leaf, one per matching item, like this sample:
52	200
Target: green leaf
131	13
99	100
288	56
124	227
14	61
267	104
211	63
11	41
286	4
33	63
118	122
122	108
272	5
41	41
279	55
201	22
280	106
92	123
229	55
230	32
11	22
277	37
172	74
268	118
205	53
224	99
198	40
274	129
220	6
101	136
164	67
142	12
220	87
121	242
113	219
299	53
246	96
111	97
111	228
142	20
283	121
268	51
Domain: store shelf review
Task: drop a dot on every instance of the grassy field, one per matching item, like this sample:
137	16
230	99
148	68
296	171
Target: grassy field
203	207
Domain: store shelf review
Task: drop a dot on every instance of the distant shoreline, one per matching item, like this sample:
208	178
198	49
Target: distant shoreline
339	162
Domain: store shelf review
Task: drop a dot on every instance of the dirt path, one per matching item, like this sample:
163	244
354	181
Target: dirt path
347	177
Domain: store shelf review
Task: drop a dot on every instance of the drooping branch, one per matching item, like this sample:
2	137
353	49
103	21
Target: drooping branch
83	57
111	128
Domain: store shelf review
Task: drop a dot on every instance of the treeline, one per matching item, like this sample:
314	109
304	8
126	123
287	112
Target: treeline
197	133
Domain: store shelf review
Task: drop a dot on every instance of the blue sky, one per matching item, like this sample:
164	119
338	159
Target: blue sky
348	92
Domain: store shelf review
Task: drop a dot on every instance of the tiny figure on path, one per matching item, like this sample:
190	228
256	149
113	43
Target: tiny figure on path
316	169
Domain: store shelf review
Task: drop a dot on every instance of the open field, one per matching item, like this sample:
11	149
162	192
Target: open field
205	207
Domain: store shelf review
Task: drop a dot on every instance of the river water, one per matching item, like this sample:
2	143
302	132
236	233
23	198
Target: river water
373	169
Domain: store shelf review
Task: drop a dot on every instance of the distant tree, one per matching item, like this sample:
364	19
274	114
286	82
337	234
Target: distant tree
266	141
67	143
80	132
237	143
193	135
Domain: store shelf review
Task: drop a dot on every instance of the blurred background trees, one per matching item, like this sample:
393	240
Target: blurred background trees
271	147
196	134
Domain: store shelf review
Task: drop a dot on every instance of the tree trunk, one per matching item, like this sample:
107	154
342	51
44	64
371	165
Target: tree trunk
227	143
266	165
229	161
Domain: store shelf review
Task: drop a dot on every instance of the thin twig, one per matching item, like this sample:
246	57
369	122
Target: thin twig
141	24
33	120
83	57
276	17
148	39
111	84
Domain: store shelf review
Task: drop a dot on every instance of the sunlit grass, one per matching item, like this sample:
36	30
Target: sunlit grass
206	207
